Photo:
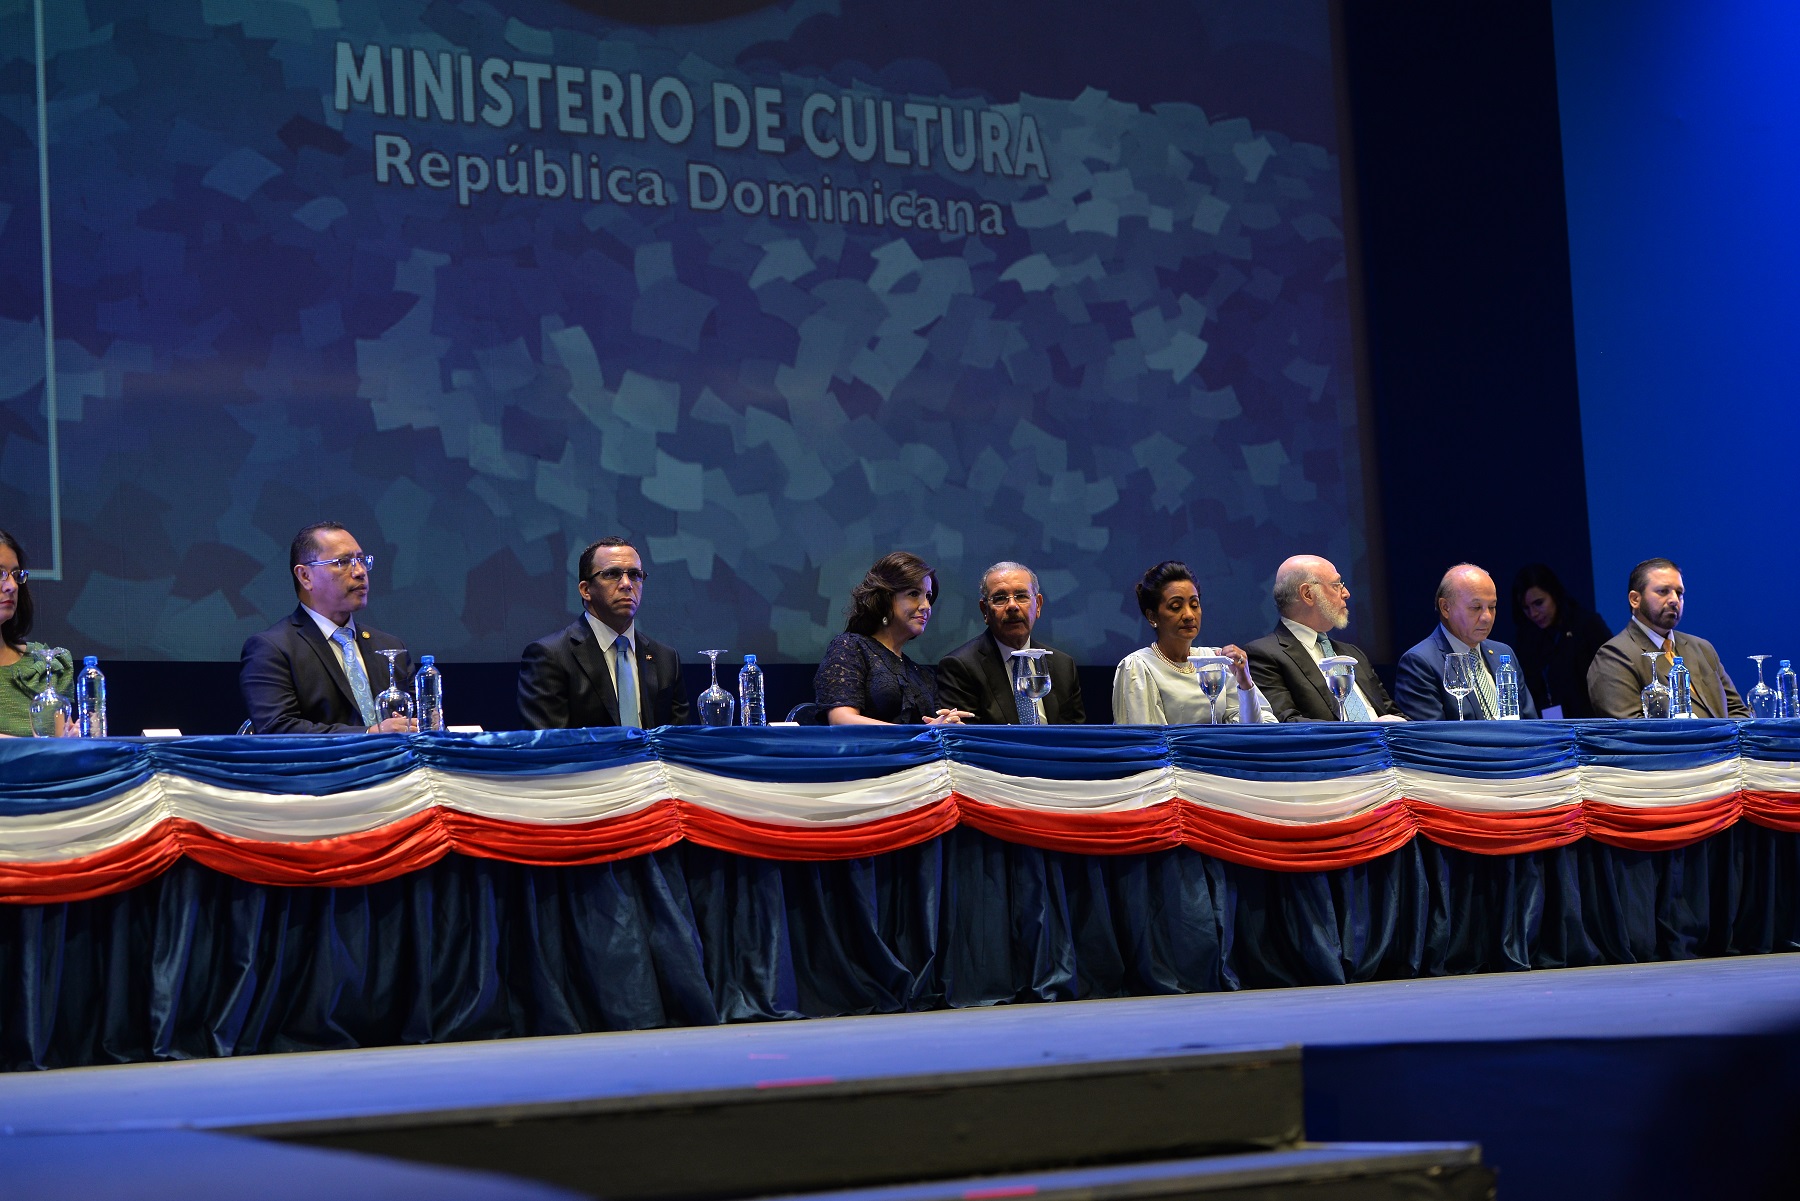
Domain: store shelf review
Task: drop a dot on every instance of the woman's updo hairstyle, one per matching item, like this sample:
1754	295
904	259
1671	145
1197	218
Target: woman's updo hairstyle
1150	588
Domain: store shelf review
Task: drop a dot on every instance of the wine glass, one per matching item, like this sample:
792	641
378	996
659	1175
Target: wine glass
1033	678
1459	678
1212	672
1340	678
715	703
1655	696
49	708
393	702
1762	698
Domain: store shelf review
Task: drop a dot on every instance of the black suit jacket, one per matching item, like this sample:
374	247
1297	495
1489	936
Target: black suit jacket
1294	685
564	682
973	677
291	682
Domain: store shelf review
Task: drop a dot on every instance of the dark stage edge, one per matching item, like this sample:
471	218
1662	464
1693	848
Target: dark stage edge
1571	1080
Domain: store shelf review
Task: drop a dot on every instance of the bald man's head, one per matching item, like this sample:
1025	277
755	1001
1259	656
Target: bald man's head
1309	590
1467	602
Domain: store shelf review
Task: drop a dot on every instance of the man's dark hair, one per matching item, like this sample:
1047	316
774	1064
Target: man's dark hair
1640	575
872	601
586	566
304	546
14	631
1150	588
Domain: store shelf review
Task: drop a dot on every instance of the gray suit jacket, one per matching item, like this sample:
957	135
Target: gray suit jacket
1620	672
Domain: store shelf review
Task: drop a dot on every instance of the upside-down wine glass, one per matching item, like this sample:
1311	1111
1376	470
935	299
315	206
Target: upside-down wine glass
1211	671
393	702
715	703
1655	696
49	708
1340	678
1762	698
1459	678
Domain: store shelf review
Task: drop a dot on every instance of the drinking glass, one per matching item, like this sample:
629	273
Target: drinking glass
715	703
1762	698
1340	678
1459	678
49	708
1655	696
393	702
1033	679
1212	672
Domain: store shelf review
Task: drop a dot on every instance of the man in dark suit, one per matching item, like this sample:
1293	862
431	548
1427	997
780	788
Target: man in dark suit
977	677
1620	672
1313	600
576	676
315	671
1467	602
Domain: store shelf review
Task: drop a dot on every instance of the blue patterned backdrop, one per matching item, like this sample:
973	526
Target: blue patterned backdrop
279	298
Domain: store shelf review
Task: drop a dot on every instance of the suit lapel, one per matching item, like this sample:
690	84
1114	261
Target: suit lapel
1309	670
328	660
999	680
646	663
592	658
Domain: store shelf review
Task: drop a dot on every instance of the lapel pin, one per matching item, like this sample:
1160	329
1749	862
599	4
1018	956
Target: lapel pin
365	633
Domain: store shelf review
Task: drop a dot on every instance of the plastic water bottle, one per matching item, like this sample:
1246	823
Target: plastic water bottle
750	694
1681	692
90	699
1787	691
428	693
1507	691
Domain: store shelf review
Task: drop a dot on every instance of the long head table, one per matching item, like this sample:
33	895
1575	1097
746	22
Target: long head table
82	819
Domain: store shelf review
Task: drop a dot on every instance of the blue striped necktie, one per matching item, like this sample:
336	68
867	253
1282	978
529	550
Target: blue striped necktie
1355	708
624	670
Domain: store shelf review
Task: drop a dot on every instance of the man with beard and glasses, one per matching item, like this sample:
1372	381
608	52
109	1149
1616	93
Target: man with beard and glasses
979	675
317	670
1313	600
1620	670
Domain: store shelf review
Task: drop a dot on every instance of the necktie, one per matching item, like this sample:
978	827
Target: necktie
359	679
1355	708
1668	655
625	672
1484	685
1027	708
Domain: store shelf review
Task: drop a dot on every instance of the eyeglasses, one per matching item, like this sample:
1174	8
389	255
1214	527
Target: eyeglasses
19	575
343	562
613	575
997	599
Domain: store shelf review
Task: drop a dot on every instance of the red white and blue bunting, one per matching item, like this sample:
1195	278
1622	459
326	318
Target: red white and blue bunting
82	819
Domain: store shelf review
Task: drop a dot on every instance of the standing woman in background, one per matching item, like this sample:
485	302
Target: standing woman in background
1557	641
21	668
866	678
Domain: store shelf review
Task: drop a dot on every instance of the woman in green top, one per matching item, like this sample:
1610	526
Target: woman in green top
21	667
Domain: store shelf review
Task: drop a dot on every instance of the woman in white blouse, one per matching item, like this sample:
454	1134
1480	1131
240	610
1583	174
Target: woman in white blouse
1158	686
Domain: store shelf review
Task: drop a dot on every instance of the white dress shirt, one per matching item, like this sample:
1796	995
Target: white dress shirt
329	628
606	636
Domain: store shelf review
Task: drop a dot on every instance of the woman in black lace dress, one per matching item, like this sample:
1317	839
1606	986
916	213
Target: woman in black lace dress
866	678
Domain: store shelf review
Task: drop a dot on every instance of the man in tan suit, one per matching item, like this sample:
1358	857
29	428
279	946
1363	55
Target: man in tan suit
1620	671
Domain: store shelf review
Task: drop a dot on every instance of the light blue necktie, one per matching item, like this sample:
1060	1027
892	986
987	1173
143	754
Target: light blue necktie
359	679
1022	702
1355	708
624	670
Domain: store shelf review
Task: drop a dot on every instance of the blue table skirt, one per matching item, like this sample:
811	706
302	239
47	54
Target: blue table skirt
197	963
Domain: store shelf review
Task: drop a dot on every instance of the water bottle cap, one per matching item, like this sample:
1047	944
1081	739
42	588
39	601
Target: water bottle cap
1505	659
427	660
1677	660
90	661
749	660
1784	662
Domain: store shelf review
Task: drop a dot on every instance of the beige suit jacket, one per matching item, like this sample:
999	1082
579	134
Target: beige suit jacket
1620	672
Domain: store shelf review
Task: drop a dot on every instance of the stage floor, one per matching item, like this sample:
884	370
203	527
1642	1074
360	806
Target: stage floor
1443	1059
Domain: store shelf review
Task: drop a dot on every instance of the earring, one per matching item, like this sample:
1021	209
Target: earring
884	621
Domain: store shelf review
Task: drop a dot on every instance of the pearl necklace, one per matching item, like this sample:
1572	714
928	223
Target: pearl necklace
1178	665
